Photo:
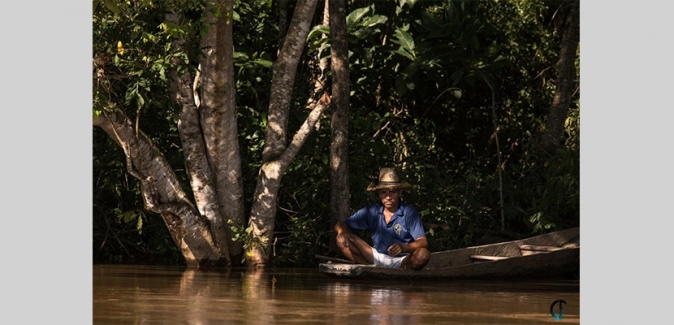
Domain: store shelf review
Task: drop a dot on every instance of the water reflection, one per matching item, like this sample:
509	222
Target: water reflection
165	295
388	306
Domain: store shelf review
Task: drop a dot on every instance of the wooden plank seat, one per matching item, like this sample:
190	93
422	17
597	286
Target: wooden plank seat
488	258
536	249
540	248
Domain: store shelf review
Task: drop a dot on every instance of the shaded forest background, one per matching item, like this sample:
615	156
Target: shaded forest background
456	94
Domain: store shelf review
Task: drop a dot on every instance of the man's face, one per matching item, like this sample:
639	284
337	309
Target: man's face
389	197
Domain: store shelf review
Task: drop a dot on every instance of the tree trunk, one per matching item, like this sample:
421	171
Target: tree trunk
218	119
283	79
339	150
263	211
161	191
566	75
196	157
276	156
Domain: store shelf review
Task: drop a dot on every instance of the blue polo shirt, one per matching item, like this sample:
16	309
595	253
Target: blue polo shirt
404	227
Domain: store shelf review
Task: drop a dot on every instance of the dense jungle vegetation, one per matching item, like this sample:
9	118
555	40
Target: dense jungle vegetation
455	94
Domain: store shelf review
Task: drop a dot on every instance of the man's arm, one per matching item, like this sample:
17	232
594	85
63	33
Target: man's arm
354	248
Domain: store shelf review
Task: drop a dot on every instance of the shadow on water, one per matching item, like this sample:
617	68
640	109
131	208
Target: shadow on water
124	294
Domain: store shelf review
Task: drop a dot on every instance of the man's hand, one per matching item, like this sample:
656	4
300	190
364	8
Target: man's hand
395	249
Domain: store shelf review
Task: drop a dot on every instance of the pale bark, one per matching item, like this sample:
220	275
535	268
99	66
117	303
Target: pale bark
283	78
565	82
263	210
196	163
339	150
319	71
218	119
276	156
161	190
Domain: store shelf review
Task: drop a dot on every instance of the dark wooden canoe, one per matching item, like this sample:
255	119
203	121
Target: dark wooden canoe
545	256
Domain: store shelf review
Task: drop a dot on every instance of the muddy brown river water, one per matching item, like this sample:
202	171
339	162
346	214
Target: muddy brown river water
132	294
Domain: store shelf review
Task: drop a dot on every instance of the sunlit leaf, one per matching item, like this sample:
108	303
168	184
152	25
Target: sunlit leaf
140	100
120	48
404	53
318	31
374	20
139	225
456	92
355	16
264	63
410	3
404	39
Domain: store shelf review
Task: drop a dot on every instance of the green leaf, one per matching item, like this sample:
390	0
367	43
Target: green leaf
456	92
263	63
140	100
374	20
130	94
407	2
355	16
240	56
127	216
162	74
493	49
404	53
361	33
318	31
404	39
112	6
139	225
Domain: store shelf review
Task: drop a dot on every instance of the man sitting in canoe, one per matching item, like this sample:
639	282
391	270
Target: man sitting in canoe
397	232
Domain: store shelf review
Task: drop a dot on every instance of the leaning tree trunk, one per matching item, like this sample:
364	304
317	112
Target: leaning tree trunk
161	191
339	150
277	153
566	75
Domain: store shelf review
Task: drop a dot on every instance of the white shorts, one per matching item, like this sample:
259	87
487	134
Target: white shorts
385	260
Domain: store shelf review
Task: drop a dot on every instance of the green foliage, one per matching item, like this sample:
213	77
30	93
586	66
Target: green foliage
299	239
245	236
362	24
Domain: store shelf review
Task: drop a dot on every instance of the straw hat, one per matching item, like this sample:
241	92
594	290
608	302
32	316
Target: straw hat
388	178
